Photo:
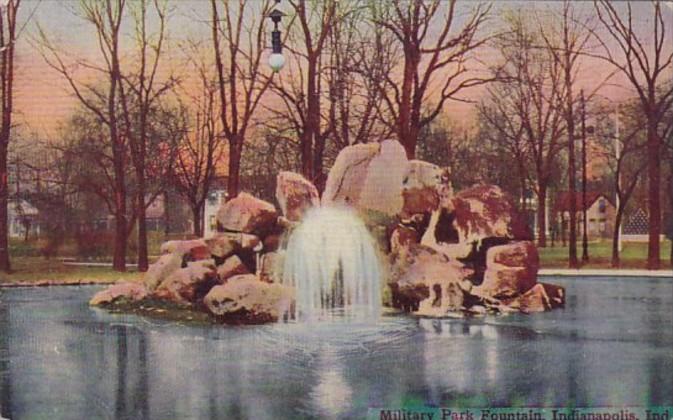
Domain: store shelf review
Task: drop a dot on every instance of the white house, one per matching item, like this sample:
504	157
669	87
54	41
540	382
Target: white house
215	198
22	216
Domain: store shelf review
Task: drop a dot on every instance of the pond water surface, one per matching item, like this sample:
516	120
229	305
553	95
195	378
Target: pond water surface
59	359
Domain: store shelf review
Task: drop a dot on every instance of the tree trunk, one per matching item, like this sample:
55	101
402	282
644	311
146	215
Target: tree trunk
235	152
670	196
615	237
654	176
119	258
312	126
406	137
197	217
143	263
572	239
4	199
541	220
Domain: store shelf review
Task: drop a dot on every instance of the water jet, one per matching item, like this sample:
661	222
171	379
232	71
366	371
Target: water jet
332	263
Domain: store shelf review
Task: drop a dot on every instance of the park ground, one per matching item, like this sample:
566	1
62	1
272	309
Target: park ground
29	267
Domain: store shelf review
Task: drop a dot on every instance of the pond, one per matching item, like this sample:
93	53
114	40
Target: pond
59	359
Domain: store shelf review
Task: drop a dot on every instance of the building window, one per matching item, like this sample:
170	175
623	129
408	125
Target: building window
212	199
602	205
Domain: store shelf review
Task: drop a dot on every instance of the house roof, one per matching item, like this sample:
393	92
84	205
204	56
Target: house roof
564	200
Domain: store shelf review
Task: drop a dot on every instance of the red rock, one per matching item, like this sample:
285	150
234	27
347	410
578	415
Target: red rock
247	214
542	297
188	285
486	211
295	194
403	237
368	177
161	269
272	243
419	200
232	266
514	254
222	245
511	269
428	283
199	253
246	300
501	281
270	264
421	188
181	247
129	290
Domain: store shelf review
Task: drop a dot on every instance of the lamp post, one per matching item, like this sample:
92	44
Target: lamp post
276	59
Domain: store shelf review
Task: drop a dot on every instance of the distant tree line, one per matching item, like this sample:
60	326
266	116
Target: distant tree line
160	114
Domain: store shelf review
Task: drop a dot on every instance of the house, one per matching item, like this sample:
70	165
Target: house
215	198
599	209
22	219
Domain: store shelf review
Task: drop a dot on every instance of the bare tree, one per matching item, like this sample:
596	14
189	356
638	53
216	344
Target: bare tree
308	41
106	18
627	162
8	33
523	108
332	97
435	68
567	41
202	145
238	45
647	62
145	90
358	56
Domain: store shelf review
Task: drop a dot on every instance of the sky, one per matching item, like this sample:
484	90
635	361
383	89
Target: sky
43	101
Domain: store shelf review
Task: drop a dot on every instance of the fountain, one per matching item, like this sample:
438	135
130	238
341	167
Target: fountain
447	255
331	262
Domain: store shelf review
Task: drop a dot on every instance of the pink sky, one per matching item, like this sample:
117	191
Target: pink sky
43	100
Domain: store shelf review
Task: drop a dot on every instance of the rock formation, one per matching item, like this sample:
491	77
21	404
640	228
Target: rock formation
447	254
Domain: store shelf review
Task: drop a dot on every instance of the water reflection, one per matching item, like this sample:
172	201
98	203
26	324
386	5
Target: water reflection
331	397
61	359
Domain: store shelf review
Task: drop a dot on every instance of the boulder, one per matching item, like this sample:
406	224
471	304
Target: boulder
270	264
486	211
247	214
428	283
368	177
511	269
188	285
295	194
502	282
272	242
222	245
183	247
161	269
246	300
420	190
541	297
131	291
403	237
236	240
232	266
198	253
514	254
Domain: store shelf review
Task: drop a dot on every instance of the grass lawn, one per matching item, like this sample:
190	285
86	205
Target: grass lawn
633	255
36	269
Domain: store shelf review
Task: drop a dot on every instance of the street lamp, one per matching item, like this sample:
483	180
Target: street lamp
276	59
